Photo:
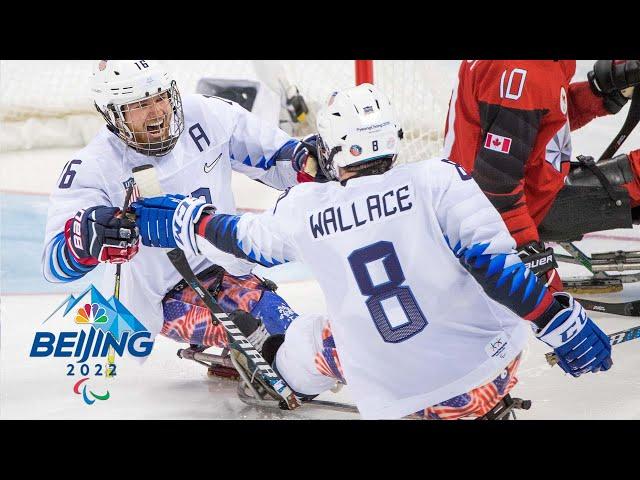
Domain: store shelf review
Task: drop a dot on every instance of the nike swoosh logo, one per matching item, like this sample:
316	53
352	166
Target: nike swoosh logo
208	167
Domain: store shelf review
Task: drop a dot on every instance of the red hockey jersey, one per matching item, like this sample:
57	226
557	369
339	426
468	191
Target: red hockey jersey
509	124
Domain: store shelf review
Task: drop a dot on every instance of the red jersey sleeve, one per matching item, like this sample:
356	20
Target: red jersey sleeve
511	99
583	104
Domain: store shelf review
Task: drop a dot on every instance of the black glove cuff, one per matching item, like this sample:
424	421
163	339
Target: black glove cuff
593	83
537	258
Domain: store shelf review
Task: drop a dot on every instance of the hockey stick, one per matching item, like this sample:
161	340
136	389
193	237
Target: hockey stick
614	338
148	185
628	309
111	353
633	118
321	404
127	199
236	339
209	359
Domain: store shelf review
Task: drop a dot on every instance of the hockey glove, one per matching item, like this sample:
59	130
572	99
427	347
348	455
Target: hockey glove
580	345
542	263
188	213
99	234
153	218
305	160
610	79
168	221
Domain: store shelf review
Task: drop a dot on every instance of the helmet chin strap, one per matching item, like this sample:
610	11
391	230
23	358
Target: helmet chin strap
332	171
325	161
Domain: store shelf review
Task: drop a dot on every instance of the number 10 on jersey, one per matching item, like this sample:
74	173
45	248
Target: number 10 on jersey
378	294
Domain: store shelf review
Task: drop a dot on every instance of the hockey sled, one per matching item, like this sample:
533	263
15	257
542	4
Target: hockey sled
255	393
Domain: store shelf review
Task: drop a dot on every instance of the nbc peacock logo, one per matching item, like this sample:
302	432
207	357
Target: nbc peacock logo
91	313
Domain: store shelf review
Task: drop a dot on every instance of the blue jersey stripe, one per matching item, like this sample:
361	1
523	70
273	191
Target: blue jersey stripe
515	286
62	264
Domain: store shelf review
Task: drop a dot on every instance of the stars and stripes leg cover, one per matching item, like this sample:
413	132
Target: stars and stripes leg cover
478	401
187	319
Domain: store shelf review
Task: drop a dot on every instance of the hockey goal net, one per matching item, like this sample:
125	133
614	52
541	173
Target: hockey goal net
46	104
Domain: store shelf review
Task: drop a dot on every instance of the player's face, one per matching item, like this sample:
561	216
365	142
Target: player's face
149	119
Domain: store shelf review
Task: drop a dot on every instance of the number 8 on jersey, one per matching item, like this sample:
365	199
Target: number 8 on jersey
377	294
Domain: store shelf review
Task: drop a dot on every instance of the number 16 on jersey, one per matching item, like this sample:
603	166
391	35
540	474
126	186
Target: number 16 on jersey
377	258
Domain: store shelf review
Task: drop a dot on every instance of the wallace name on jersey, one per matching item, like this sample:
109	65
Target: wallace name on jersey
363	210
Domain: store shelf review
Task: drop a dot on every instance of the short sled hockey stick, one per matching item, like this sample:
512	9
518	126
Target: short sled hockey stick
209	359
236	339
127	199
614	338
628	309
111	354
148	185
633	118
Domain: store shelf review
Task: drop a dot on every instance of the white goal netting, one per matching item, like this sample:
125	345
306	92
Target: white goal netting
45	104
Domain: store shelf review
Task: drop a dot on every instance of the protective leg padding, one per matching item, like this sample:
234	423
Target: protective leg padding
188	320
615	171
582	209
478	401
296	358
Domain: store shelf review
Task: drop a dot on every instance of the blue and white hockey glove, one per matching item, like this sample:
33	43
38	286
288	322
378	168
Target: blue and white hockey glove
187	214
153	218
168	221
580	345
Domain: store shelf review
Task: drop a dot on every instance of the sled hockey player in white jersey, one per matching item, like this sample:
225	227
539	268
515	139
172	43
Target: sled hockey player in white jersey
194	143
429	305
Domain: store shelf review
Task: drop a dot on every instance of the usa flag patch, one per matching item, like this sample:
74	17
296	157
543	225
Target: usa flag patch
497	143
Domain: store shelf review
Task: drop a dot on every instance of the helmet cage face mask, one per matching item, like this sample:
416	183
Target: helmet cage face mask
115	118
325	158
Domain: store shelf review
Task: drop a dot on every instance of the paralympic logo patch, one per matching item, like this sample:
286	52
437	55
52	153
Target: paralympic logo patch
85	397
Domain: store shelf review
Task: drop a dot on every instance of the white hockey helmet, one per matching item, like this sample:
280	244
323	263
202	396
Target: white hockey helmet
116	84
356	126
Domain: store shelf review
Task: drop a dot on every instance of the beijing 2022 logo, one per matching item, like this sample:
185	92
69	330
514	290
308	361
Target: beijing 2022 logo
102	330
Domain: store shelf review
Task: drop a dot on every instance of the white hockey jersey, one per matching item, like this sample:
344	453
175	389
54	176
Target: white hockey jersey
219	136
425	292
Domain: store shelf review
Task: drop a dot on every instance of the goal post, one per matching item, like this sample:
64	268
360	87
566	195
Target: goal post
364	71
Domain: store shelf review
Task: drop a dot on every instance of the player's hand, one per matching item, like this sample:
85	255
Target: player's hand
305	160
169	221
612	80
188	213
580	345
153	218
541	261
101	234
